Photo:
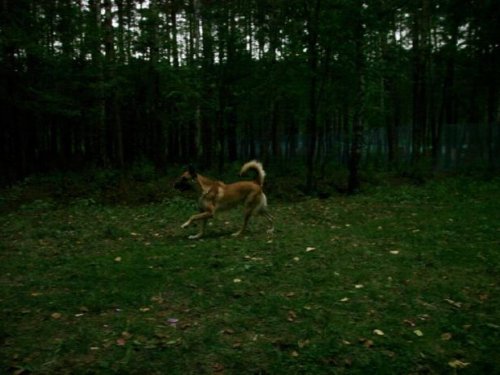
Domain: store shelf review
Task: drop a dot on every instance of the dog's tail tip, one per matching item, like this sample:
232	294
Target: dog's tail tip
257	165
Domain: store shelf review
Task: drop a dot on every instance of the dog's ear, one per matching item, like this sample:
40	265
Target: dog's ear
192	170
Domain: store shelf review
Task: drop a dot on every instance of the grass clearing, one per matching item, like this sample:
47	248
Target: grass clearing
393	281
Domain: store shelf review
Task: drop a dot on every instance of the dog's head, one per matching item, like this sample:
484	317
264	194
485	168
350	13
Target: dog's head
187	180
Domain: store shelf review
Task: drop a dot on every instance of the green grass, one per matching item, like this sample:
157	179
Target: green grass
93	288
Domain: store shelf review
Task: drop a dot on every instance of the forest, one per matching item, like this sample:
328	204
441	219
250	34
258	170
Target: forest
378	125
391	84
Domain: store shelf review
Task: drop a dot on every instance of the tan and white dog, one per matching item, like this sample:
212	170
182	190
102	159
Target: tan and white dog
217	196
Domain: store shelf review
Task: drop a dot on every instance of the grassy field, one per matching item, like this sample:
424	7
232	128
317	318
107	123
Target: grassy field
394	281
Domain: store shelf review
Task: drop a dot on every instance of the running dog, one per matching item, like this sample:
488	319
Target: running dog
217	196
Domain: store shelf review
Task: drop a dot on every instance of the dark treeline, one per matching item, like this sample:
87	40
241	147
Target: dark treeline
107	83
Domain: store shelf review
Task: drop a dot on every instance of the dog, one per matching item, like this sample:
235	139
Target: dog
216	196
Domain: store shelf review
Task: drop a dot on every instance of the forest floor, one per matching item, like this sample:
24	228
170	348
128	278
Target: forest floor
400	280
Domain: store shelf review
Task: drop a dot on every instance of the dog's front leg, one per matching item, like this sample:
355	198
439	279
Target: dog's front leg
201	232
203	216
187	223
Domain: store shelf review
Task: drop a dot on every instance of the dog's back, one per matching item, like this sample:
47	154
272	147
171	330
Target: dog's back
230	195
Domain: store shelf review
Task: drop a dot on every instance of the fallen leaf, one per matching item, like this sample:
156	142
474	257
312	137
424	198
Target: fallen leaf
366	343
418	332
56	315
484	297
144	309
389	353
446	336
121	341
118	259
455	363
294	354
302	343
424	317
218	367
291	316
172	321
296	259
345	299
378	332
394	252
409	322
157	299
453	303
359	286
309	249
237	281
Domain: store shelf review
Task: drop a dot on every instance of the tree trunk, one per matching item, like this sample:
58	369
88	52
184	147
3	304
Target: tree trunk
312	59
420	34
357	121
446	112
207	109
173	22
231	117
492	109
99	142
112	107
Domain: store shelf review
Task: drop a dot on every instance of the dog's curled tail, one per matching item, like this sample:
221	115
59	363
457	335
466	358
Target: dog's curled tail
254	164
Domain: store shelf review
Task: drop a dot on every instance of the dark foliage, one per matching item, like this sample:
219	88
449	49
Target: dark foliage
109	83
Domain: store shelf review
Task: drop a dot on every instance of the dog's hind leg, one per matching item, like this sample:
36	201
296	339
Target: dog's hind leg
269	217
262	210
248	213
